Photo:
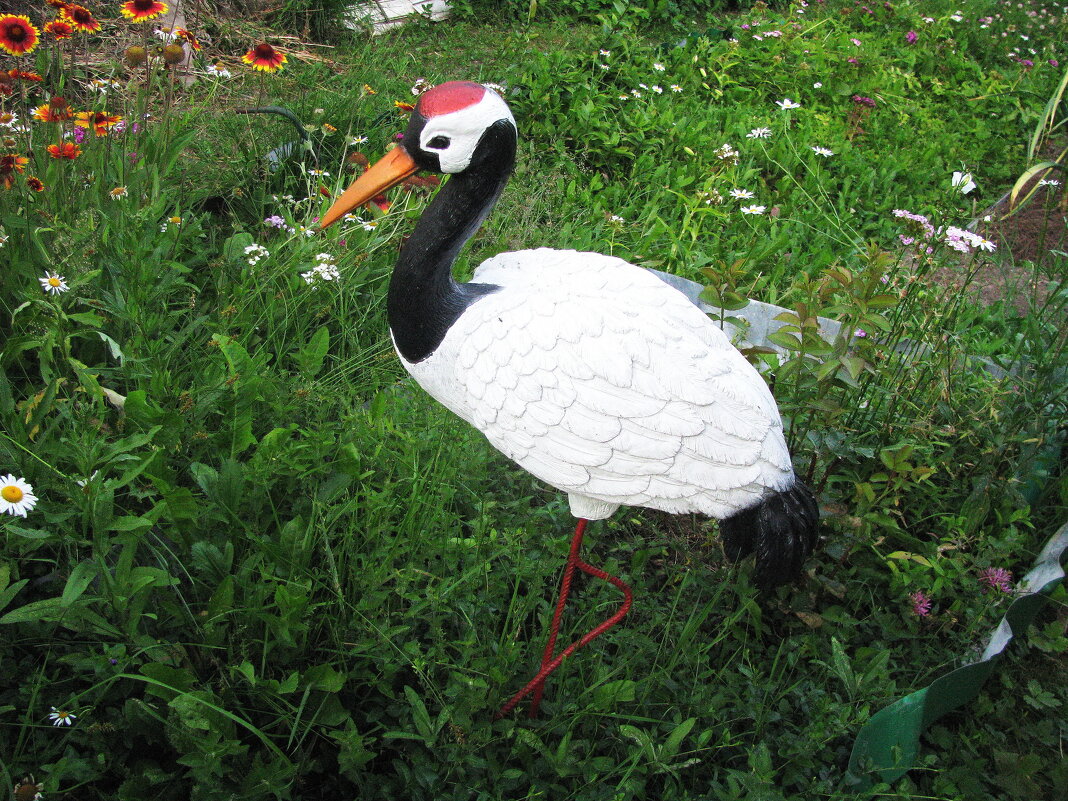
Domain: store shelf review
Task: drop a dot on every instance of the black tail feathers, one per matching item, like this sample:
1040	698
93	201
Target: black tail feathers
781	529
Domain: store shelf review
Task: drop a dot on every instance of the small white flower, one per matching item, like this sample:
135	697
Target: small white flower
958	17
616	219
676	88
658	67
61	717
256	252
1049	182
53	283
421	85
357	140
635	92
753	209
962	182
604	66
759	133
624	97
118	193
166	35
787	103
741	194
370	225
658	90
8	120
822	151
217	70
817	85
16	496
606	53
726	152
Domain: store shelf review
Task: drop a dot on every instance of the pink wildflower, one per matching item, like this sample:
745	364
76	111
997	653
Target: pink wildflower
996	578
921	604
911	37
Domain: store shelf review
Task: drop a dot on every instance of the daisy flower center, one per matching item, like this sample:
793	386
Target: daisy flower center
53	281
11	493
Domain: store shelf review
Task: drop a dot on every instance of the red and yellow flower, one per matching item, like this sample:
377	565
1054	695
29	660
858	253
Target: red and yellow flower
80	18
55	110
10	164
100	121
264	58
186	36
59	29
66	150
17	34
23	75
141	10
35	183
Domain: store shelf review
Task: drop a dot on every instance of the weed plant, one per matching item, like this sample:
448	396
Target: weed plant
258	564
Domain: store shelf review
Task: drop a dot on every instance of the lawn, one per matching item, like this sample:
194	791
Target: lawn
247	558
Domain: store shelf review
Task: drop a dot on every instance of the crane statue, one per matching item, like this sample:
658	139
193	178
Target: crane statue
589	372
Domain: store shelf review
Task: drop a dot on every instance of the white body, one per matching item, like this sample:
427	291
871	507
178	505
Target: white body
611	386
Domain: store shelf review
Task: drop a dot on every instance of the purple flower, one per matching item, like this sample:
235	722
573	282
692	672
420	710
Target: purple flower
79	135
856	42
852	61
1053	62
921	604
860	332
863	101
275	220
996	578
911	37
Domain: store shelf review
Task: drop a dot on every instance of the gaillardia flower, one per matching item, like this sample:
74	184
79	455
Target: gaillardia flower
67	150
35	183
17	35
55	110
264	58
59	29
80	18
141	10
10	164
100	121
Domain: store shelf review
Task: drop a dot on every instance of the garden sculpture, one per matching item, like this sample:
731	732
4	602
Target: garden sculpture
589	372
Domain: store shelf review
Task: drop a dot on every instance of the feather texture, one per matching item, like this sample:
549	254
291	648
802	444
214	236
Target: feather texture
557	368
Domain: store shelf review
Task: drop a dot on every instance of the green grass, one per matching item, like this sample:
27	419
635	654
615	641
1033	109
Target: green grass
262	564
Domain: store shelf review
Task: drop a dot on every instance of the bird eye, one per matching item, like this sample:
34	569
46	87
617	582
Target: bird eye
438	143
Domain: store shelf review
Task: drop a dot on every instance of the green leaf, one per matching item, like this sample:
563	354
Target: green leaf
674	740
309	359
785	340
35	612
325	678
421	716
80	578
129	523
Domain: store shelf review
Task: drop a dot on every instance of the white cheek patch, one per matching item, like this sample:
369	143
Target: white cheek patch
463	129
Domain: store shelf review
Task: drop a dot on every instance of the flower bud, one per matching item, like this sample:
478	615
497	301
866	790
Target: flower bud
173	54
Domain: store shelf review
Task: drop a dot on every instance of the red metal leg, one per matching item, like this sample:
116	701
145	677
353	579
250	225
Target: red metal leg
549	663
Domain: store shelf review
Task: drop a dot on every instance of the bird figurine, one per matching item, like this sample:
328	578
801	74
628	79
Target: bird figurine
589	372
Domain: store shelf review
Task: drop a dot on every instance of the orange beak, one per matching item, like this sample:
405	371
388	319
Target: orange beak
388	171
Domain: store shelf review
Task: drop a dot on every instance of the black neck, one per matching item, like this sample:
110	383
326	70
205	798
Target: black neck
424	299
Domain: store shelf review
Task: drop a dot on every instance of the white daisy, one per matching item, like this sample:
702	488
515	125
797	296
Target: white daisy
658	67
118	193
676	88
786	103
759	133
822	151
741	194
53	283
16	496
61	717
753	209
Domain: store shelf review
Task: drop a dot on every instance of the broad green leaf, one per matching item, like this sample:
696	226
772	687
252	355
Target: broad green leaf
80	578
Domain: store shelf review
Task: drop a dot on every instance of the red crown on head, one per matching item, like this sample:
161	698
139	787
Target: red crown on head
448	97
